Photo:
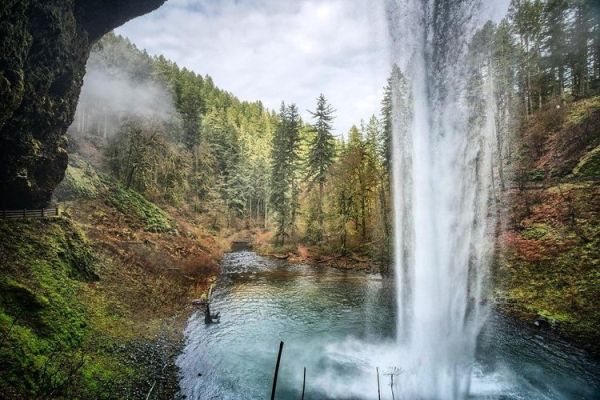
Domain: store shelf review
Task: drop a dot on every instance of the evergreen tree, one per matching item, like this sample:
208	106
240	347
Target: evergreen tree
555	43
526	20
386	123
579	54
320	157
279	188
284	166
294	124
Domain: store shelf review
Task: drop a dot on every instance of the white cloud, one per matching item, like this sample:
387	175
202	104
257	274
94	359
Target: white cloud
274	50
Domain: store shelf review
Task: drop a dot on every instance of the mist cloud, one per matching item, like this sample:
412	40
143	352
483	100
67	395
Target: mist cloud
111	94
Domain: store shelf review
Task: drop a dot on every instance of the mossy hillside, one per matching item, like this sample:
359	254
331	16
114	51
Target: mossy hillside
43	323
66	334
131	203
580	111
551	268
555	140
589	165
81	181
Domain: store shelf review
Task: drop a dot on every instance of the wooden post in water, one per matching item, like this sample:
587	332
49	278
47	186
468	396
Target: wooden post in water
394	372
276	371
378	388
303	383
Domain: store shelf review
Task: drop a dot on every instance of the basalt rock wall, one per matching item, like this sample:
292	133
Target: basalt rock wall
44	46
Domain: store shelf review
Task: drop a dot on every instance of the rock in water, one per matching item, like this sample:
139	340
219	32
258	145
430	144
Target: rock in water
44	45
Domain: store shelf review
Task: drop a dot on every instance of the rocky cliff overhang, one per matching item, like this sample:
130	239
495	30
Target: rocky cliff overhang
44	46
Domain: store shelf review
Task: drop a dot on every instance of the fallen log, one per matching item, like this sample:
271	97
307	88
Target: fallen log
279	256
199	302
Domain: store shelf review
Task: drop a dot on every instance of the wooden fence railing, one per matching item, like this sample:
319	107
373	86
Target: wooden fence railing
22	214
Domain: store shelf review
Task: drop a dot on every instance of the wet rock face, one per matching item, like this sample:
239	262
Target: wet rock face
44	45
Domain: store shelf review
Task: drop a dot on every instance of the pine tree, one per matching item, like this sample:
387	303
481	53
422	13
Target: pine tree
526	20
320	158
284	166
294	123
580	34
279	197
554	42
386	122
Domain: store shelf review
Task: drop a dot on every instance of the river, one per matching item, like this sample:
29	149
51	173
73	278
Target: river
341	326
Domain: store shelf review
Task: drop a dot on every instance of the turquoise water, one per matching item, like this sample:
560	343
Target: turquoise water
340	326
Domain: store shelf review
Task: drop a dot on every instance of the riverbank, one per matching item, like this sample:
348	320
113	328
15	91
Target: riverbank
262	243
314	255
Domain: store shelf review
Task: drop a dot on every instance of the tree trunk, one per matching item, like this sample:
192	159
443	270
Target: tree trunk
320	214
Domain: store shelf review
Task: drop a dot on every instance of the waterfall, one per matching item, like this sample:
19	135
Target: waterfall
442	178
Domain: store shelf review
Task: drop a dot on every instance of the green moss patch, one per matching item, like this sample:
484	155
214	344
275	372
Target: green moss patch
42	322
537	232
581	110
589	165
81	181
131	203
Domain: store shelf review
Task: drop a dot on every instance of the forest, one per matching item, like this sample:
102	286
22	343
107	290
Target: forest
246	165
238	162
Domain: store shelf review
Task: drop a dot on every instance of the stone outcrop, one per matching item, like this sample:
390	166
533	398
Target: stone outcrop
44	46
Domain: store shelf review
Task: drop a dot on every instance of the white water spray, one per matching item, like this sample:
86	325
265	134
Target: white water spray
442	154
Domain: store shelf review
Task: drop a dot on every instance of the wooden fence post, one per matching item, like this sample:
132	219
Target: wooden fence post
303	383
276	371
378	388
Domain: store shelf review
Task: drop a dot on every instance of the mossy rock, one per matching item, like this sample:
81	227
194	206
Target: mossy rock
589	165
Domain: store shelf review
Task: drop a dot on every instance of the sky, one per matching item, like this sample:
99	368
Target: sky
274	50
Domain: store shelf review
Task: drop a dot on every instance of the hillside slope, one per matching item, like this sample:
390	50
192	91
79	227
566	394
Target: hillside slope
92	304
549	269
